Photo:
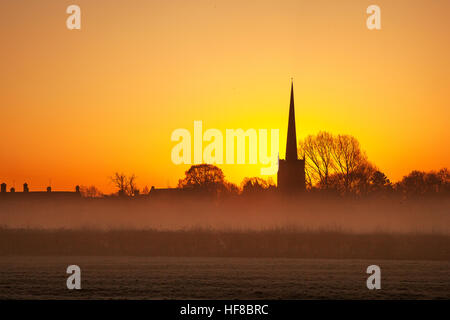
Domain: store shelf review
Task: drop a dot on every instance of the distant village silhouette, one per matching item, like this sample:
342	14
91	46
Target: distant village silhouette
311	172
329	202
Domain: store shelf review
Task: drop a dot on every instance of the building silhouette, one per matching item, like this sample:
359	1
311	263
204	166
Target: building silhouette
27	194
291	171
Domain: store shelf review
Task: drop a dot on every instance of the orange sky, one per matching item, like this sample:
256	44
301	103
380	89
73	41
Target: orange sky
76	106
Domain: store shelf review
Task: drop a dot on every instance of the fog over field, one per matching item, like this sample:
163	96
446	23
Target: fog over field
237	248
431	215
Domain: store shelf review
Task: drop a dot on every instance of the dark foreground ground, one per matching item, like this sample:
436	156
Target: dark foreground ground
29	277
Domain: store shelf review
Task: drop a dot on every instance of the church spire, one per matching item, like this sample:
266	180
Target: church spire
291	143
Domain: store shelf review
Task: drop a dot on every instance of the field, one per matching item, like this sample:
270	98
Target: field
264	249
220	278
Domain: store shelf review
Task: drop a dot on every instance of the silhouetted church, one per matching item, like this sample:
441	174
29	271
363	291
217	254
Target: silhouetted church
291	171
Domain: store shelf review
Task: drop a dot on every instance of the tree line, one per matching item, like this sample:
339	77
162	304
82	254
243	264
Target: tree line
337	163
334	164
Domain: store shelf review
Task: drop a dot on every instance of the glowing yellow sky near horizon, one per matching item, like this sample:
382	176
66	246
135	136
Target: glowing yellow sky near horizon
77	106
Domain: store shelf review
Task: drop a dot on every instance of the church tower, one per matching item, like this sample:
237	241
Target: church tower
291	171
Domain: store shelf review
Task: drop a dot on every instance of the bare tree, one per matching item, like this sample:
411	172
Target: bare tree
132	189
125	185
120	181
336	162
317	152
348	158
